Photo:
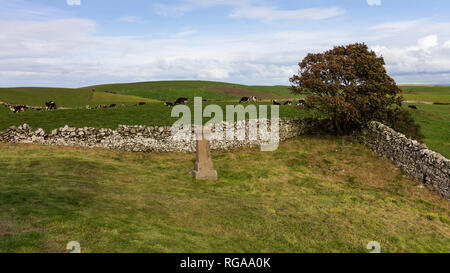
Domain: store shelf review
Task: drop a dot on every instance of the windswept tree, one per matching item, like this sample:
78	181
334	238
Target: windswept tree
349	85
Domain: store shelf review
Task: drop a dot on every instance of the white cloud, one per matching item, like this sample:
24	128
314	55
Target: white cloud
374	2
270	13
251	9
185	33
412	50
73	2
446	44
428	42
70	53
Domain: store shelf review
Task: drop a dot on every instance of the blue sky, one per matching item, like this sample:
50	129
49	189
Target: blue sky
75	43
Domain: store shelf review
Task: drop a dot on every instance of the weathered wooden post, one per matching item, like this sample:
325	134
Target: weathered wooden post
204	169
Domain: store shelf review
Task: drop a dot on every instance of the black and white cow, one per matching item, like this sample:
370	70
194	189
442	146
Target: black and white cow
275	102
301	103
18	109
168	104
50	105
288	102
248	99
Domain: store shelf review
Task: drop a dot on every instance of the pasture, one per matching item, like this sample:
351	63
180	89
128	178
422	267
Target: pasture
152	114
429	93
170	90
314	194
434	121
64	97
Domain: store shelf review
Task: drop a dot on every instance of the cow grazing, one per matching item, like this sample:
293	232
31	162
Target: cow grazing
123	105
142	103
288	102
248	99
412	107
50	105
275	102
181	101
244	99
112	105
18	109
168	104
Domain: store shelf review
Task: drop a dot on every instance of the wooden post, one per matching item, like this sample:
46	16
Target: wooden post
204	169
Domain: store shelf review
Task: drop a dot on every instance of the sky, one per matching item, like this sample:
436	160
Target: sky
75	43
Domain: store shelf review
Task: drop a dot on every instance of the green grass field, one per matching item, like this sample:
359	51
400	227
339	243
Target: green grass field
434	121
428	93
171	90
312	195
155	114
64	97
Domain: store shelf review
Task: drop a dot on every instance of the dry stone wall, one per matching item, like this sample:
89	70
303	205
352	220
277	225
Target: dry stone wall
143	138
410	156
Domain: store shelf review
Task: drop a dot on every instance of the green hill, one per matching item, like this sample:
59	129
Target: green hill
428	93
64	97
171	90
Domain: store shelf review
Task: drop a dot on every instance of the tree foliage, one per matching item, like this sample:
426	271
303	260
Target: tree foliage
349	85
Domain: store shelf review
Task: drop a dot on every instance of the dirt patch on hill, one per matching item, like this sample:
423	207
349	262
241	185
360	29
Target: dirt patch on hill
239	92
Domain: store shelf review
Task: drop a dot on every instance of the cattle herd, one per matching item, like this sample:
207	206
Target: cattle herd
51	105
178	101
22	108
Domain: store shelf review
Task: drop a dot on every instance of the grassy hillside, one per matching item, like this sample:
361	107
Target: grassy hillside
434	121
64	97
156	114
312	195
171	90
426	93
37	96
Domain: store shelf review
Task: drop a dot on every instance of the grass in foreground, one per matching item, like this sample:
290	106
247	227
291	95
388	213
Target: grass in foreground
311	195
434	121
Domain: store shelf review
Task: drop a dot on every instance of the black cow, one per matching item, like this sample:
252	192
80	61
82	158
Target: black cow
244	99
288	102
112	105
168	104
275	102
412	107
50	105
181	101
142	103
